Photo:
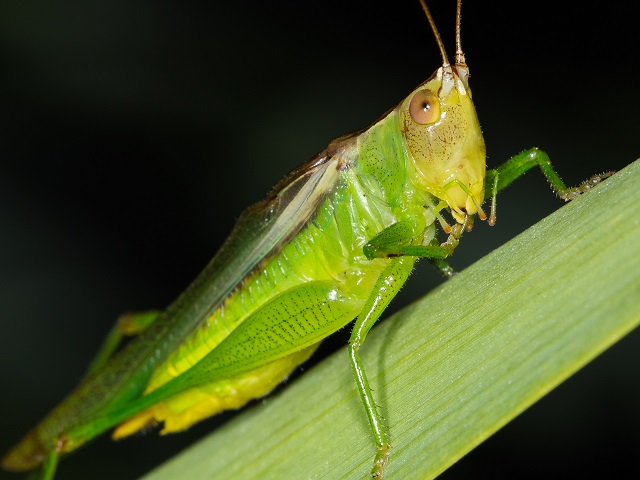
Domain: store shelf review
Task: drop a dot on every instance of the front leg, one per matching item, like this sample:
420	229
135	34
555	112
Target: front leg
397	241
499	178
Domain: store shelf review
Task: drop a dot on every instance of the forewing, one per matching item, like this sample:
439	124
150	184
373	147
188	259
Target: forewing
259	232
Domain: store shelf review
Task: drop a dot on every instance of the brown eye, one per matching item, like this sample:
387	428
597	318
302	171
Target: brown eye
424	107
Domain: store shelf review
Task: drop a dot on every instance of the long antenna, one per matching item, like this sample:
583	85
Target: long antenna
459	54
443	53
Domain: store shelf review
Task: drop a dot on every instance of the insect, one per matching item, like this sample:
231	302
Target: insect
334	242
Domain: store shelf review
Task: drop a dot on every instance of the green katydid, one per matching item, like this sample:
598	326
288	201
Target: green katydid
333	242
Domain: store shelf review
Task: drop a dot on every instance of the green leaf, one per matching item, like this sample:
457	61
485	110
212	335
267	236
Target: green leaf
454	367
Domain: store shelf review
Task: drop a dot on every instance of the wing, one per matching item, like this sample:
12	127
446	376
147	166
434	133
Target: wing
258	233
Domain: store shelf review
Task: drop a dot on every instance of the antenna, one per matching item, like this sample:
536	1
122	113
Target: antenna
443	53
460	61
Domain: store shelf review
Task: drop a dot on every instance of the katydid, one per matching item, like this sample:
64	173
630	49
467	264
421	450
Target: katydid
334	242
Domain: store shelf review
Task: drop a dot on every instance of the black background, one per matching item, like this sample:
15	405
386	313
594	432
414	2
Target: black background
132	135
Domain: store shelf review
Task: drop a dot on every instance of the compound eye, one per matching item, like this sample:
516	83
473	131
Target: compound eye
424	107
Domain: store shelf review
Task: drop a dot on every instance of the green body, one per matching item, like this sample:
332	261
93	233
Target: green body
333	242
